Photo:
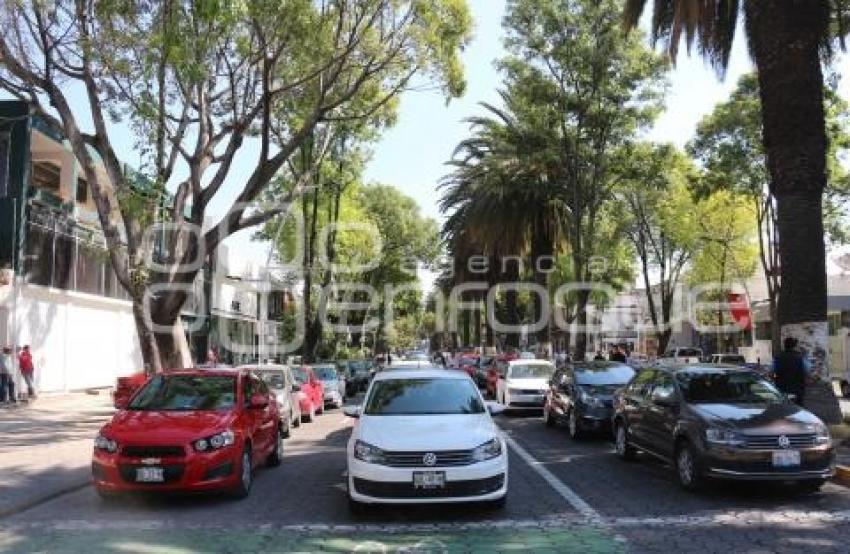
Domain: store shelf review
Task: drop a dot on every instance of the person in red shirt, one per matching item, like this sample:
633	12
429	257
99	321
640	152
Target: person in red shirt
27	369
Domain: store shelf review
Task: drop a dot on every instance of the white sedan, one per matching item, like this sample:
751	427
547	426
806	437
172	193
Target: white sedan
524	384
425	436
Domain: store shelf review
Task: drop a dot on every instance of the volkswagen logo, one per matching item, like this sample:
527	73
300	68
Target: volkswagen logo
429	459
783	441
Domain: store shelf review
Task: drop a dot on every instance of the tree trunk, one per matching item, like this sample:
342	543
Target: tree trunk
147	342
785	39
583	296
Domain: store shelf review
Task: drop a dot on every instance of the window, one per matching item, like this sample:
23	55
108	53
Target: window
743	387
532	371
664	386
82	191
430	396
641	384
186	393
250	388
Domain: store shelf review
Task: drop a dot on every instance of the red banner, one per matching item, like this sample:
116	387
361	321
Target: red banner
740	310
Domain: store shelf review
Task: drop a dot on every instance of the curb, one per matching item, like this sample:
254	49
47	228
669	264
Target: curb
842	475
25	505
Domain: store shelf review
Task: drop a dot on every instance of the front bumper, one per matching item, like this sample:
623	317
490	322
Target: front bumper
333	398
757	465
377	484
192	472
526	401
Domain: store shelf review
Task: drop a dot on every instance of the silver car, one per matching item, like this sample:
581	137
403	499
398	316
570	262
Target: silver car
333	382
286	390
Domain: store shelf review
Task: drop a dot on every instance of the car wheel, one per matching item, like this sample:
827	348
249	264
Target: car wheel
574	425
246	475
296	421
276	456
621	443
845	390
687	467
287	431
320	409
548	418
310	415
810	486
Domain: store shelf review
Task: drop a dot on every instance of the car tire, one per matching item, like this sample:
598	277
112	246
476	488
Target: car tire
811	486
574	425
320	409
548	418
687	466
276	456
624	450
310	415
296	421
246	474
845	389
287	431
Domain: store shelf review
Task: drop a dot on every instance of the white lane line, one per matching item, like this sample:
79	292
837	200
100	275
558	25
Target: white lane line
566	492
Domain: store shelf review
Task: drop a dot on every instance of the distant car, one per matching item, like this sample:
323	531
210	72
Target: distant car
524	384
481	369
496	371
409	364
190	430
469	364
721	422
582	396
282	385
333	384
359	375
419	356
312	393
727	359
425	436
682	355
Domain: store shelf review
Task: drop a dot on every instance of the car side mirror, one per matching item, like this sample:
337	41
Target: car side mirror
665	400
296	388
259	401
351	411
495	408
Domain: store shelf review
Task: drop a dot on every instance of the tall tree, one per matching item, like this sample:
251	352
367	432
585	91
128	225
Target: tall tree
600	89
786	39
198	81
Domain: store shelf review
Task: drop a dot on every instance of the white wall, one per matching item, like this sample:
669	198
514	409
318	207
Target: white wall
78	340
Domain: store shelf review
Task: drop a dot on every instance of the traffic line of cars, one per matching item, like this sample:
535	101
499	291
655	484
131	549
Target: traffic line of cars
208	428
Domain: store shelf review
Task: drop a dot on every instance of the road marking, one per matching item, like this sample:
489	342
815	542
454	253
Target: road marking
566	492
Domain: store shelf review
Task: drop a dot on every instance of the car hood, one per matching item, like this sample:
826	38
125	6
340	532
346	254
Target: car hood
426	432
536	383
160	427
759	419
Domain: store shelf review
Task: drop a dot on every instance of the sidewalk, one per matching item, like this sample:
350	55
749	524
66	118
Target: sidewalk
45	447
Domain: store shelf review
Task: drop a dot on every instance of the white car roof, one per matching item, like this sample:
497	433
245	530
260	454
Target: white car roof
426	372
529	361
263	367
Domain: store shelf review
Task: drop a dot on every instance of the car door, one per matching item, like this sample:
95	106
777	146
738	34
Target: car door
253	420
634	405
661	415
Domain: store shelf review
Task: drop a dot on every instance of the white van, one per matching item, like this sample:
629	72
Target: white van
682	355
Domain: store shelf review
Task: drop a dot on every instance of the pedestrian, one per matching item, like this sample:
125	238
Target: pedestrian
27	369
789	370
7	378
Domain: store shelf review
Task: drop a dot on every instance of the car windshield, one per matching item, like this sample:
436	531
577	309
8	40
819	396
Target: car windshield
300	374
325	373
733	359
604	376
739	387
689	352
432	396
274	379
358	366
186	393
532	371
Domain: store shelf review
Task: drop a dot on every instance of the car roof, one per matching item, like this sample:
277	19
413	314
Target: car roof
701	368
524	361
206	371
428	372
263	367
595	365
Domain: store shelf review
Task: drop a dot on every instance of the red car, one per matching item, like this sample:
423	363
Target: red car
498	368
312	394
190	430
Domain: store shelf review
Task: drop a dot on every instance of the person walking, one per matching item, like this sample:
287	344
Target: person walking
789	370
27	369
7	378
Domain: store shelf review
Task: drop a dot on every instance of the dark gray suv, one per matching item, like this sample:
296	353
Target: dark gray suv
721	422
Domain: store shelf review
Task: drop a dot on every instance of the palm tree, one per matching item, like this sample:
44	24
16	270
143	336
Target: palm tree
501	202
786	40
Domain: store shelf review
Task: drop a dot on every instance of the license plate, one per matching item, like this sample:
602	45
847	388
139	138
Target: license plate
429	479
149	475
786	458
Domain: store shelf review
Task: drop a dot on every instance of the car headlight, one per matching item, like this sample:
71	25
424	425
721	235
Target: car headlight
822	434
214	442
723	437
105	444
487	451
368	453
590	400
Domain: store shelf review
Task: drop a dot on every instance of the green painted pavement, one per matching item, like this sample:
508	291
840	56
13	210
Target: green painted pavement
584	539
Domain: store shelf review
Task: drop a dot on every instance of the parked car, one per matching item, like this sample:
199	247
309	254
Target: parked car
359	375
498	368
312	394
727	359
333	384
481	370
469	364
582	396
281	383
190	430
524	384
425	436
720	422
682	355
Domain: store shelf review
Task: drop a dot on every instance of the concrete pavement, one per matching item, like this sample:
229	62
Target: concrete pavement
45	447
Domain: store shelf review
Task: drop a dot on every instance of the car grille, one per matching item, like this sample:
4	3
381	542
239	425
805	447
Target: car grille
445	458
170	472
527	391
453	489
513	404
771	442
153	451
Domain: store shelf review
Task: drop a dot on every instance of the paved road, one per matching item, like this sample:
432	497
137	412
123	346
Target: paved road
570	498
